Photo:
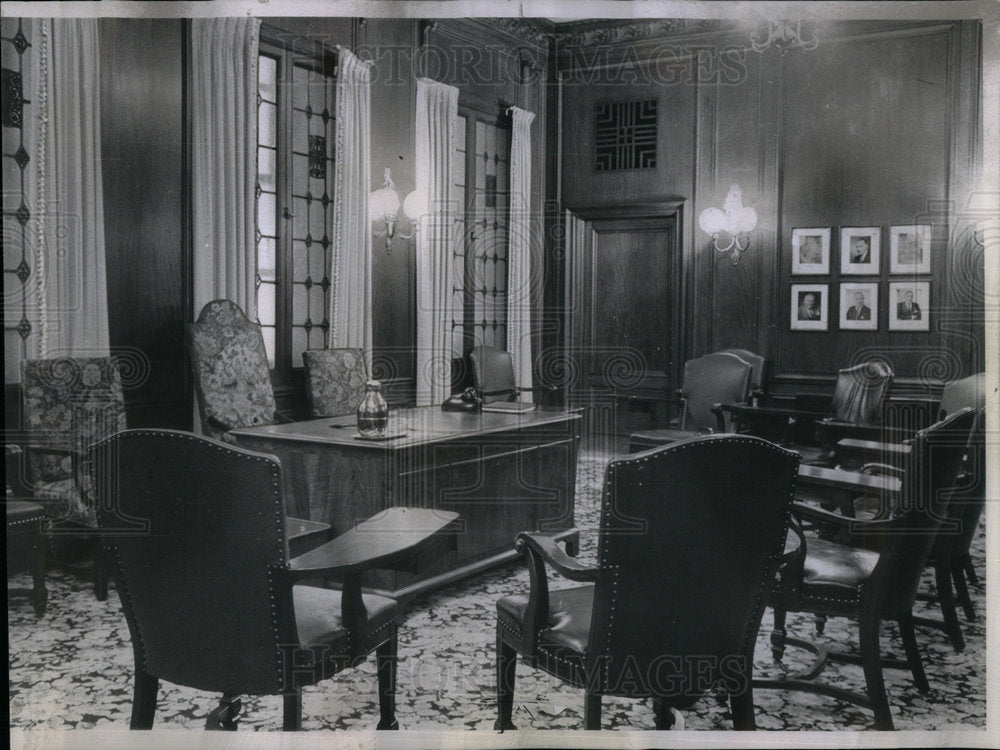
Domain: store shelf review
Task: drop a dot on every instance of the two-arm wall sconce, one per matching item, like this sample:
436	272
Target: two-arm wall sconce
733	219
383	208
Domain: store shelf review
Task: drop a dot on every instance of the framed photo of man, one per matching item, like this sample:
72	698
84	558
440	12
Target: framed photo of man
910	249
909	305
809	307
810	251
859	306
859	250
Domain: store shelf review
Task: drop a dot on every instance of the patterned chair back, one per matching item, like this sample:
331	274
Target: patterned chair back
69	403
232	381
335	380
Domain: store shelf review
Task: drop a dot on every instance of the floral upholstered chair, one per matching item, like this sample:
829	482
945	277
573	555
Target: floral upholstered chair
335	380
69	404
231	377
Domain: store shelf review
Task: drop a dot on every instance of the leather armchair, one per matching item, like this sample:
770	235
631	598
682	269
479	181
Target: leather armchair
335	380
232	385
855	410
758	372
493	376
873	574
221	607
707	382
672	609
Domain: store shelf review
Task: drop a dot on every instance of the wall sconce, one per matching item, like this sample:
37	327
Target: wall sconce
785	35
383	208
733	219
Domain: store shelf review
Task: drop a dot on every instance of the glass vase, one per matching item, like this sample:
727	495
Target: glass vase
373	411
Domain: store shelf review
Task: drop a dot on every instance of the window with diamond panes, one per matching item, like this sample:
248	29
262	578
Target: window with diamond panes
480	272
18	262
294	208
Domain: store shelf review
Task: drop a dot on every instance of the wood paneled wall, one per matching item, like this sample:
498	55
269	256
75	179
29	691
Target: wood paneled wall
876	126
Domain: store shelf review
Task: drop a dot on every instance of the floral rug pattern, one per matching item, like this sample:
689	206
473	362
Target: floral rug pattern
73	668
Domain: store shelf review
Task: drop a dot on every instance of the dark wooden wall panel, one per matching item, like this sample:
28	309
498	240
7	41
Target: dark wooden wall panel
141	143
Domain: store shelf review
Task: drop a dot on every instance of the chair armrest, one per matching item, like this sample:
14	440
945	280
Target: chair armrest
872	534
550	552
386	539
853	447
219	424
835	430
824	478
281	417
882	469
719	410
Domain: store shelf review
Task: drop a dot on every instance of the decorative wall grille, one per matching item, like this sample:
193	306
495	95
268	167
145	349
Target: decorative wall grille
625	135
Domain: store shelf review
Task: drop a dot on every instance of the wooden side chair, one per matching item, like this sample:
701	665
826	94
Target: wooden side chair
335	380
213	600
874	573
69	403
686	558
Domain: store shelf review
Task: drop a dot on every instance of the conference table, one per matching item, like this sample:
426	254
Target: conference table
501	472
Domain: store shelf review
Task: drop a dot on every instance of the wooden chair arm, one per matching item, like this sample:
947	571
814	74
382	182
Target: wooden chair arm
551	553
872	449
383	541
882	469
834	429
873	535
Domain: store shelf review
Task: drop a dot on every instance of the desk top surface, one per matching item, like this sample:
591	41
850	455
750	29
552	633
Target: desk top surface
412	426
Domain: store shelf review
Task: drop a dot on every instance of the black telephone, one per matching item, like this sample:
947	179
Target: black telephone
467	400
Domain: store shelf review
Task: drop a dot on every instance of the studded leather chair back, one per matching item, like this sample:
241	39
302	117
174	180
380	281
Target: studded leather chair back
208	525
758	366
712	379
690	539
860	391
493	373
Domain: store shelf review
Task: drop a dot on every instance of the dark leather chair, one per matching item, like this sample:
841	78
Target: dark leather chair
854	411
493	376
707	381
672	609
232	385
26	549
335	381
206	584
69	403
758	371
873	574
950	555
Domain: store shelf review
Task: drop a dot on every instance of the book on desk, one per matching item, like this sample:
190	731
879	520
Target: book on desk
510	407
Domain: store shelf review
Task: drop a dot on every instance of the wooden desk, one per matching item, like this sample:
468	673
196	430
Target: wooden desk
502	473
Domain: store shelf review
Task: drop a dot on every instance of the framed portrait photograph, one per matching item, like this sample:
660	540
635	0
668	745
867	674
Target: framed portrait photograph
810	251
859	306
810	303
910	249
859	250
909	305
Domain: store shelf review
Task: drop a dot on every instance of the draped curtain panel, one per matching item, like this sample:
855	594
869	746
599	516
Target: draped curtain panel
64	185
224	159
519	261
350	311
437	109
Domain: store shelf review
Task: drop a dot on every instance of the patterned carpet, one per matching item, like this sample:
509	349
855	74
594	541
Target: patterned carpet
73	668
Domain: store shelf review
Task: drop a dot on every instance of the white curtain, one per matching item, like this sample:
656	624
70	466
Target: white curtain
437	109
224	159
350	311
519	276
66	190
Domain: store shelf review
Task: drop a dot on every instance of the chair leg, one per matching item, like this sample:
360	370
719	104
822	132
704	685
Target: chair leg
291	716
39	594
778	634
226	715
100	569
591	710
741	707
385	657
970	572
871	662
909	637
958	573
506	673
820	624
663	717
144	700
942	578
